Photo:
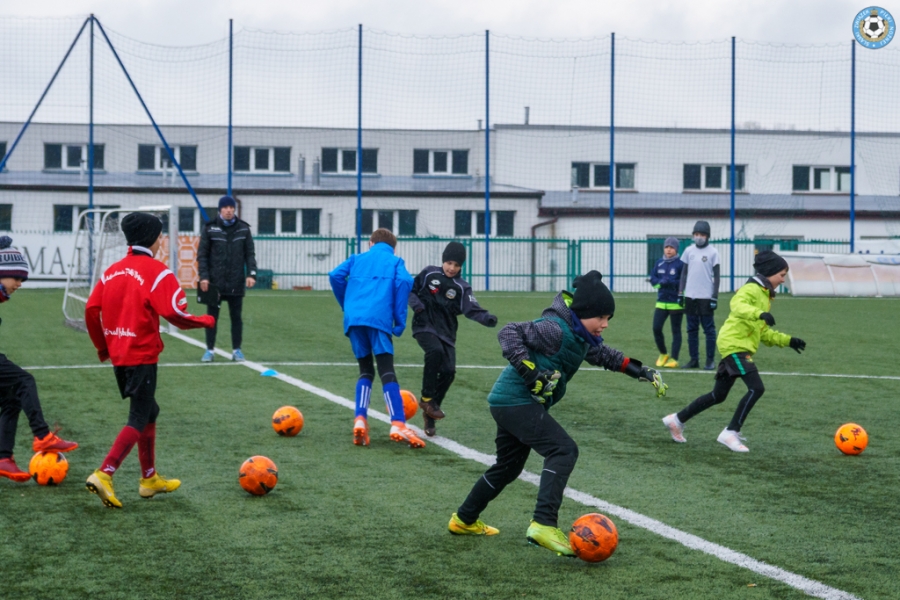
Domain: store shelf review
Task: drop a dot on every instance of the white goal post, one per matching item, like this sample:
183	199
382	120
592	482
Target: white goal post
99	242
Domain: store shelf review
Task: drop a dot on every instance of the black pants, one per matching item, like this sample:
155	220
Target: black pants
521	429
235	306
731	368
138	383
659	319
440	366
18	392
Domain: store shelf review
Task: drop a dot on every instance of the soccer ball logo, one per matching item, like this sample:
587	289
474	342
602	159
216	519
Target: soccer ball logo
873	27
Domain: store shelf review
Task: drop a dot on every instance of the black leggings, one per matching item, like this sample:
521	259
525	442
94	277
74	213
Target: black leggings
18	392
521	429
659	319
138	384
440	367
385	364
724	383
235	307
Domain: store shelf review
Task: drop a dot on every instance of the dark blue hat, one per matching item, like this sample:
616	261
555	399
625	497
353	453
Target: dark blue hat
226	201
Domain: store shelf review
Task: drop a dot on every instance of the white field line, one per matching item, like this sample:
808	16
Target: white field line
666	373
808	586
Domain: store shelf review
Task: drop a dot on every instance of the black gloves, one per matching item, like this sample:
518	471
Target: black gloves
491	321
681	300
540	383
798	344
713	303
768	318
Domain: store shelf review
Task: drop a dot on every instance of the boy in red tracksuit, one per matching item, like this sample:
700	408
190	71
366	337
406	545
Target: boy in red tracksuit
18	391
122	318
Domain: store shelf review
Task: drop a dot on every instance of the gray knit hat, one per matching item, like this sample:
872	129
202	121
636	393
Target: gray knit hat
12	262
672	242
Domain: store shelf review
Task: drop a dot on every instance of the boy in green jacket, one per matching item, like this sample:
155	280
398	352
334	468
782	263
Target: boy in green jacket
543	357
748	324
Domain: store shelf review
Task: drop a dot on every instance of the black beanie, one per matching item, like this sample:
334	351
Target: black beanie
455	252
141	229
702	227
592	297
767	263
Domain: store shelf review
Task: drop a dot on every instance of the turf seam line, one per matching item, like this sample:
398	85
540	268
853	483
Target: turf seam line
808	586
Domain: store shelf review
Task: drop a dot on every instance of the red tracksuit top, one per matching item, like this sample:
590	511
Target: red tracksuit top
122	314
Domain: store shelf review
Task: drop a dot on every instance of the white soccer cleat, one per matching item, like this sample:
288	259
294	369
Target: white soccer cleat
676	427
732	439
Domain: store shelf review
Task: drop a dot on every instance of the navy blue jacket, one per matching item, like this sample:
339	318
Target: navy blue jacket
666	274
372	289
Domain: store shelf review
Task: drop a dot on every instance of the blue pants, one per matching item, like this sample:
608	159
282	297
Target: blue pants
693	329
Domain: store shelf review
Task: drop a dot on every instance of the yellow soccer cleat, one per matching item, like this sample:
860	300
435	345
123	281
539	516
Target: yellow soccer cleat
157	485
101	484
457	527
662	360
551	538
671	364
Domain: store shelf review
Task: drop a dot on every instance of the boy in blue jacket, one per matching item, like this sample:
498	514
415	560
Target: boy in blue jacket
373	289
665	277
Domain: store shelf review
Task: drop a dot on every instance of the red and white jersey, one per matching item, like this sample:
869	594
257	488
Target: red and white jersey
122	314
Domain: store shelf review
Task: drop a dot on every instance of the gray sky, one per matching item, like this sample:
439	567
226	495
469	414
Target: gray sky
187	22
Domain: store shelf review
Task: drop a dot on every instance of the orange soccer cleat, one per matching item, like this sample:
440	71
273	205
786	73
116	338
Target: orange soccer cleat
361	431
10	470
52	443
401	433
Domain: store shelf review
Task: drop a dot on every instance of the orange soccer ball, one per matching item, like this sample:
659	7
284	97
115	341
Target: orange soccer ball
287	421
593	537
851	438
48	468
258	475
410	404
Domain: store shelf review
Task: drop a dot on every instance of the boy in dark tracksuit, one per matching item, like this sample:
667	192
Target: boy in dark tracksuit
18	391
748	324
544	355
438	296
666	277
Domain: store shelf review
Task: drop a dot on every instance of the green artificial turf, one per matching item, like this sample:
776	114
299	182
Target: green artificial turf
350	522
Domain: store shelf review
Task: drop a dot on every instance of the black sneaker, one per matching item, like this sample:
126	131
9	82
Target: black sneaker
692	364
429	425
710	364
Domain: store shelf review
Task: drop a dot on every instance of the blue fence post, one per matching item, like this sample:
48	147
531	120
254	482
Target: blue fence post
612	158
230	105
359	145
5	159
853	147
90	157
733	182
162	138
487	160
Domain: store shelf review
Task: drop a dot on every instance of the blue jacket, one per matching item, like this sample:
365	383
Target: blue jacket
666	274
372	289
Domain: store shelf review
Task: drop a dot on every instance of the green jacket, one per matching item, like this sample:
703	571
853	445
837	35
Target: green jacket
743	330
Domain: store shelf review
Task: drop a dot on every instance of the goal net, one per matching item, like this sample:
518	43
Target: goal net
99	242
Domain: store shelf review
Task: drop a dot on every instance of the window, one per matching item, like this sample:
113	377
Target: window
2	151
367	218
335	160
822	179
266	221
310	221
502	223
289	221
5	217
761	244
156	158
596	175
440	162
71	157
406	222
262	160
63	217
186	219
386	220
463	223
713	177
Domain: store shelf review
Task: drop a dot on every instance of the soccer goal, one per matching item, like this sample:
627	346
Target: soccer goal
99	242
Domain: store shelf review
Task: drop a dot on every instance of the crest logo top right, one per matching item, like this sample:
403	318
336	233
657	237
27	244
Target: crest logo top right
873	27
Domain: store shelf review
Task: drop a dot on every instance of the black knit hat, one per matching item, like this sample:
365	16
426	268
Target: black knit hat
592	297
12	263
455	252
768	263
702	227
141	229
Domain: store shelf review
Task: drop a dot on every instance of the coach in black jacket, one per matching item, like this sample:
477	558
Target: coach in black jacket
227	260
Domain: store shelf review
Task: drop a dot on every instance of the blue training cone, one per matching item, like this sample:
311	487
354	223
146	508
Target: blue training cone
269	373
